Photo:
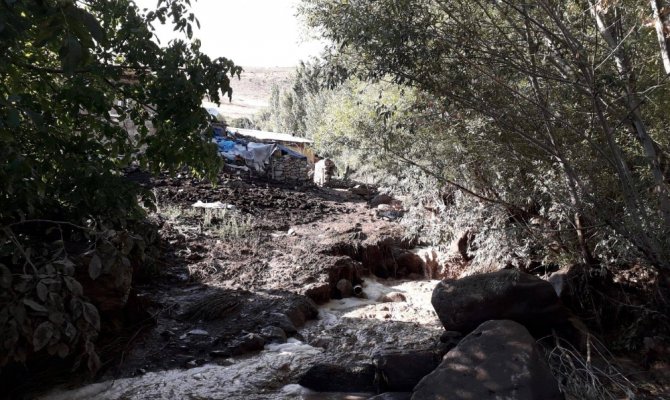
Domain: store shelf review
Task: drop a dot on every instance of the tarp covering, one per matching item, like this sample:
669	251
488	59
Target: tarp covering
255	155
260	153
290	152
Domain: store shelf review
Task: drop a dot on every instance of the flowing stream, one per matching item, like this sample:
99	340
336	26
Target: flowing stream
347	331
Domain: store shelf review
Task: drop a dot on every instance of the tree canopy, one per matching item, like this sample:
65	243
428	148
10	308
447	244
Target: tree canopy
557	110
72	74
86	91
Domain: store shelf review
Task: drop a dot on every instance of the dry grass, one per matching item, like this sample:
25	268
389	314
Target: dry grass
253	91
590	376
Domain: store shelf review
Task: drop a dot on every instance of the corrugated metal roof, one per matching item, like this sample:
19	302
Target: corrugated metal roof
263	135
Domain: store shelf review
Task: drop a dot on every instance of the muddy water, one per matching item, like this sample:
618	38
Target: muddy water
348	330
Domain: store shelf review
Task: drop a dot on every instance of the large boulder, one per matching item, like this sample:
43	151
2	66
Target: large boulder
401	370
499	360
463	304
339	378
380	199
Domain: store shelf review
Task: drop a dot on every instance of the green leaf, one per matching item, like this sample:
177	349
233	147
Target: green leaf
63	350
56	317
42	335
42	291
94	363
33	305
95	267
73	286
71	54
91	315
5	277
70	331
13	118
92	25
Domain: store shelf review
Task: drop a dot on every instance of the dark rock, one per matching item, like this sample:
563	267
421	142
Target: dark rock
282	321
464	304
401	370
380	199
345	288
273	334
499	360
392	297
318	292
302	311
408	263
220	353
339	378
450	339
248	343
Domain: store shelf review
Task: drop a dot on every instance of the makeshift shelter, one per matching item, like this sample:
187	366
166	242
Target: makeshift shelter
276	155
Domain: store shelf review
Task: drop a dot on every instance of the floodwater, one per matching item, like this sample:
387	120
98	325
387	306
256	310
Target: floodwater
348	330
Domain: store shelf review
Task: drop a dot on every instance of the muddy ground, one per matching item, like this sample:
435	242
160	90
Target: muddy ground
254	272
246	297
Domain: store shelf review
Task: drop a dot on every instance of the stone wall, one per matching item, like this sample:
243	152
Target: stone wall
289	168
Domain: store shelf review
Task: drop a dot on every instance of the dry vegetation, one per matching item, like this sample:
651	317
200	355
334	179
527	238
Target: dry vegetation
253	90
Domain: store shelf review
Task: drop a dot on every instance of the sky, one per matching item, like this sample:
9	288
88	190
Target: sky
253	33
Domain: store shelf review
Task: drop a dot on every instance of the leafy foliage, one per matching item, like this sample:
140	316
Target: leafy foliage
288	109
70	74
86	91
552	112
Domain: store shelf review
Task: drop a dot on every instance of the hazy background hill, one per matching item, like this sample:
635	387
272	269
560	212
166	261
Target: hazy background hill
252	91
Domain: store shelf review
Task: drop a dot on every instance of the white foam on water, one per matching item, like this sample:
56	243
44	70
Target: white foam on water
292	345
244	379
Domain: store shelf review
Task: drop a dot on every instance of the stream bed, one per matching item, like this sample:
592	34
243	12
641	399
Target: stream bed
396	315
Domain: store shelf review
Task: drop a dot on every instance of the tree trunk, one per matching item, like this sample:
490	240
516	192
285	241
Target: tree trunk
659	24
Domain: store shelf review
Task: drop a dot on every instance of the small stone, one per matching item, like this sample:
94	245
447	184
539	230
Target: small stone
339	378
392	297
220	353
282	321
345	287
322	341
167	334
273	334
248	343
198	332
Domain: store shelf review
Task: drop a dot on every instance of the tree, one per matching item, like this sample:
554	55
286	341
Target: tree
72	75
288	109
571	95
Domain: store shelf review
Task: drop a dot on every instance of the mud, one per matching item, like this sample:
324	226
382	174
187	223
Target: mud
246	300
224	299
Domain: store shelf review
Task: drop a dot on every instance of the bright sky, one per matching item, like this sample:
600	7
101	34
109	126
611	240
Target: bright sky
253	33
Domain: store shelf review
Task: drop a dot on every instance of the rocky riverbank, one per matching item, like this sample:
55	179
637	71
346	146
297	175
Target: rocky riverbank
302	293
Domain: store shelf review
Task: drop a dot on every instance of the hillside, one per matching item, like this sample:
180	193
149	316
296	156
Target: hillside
252	91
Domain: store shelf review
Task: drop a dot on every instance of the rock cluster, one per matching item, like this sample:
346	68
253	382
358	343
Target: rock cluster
288	168
497	359
463	304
